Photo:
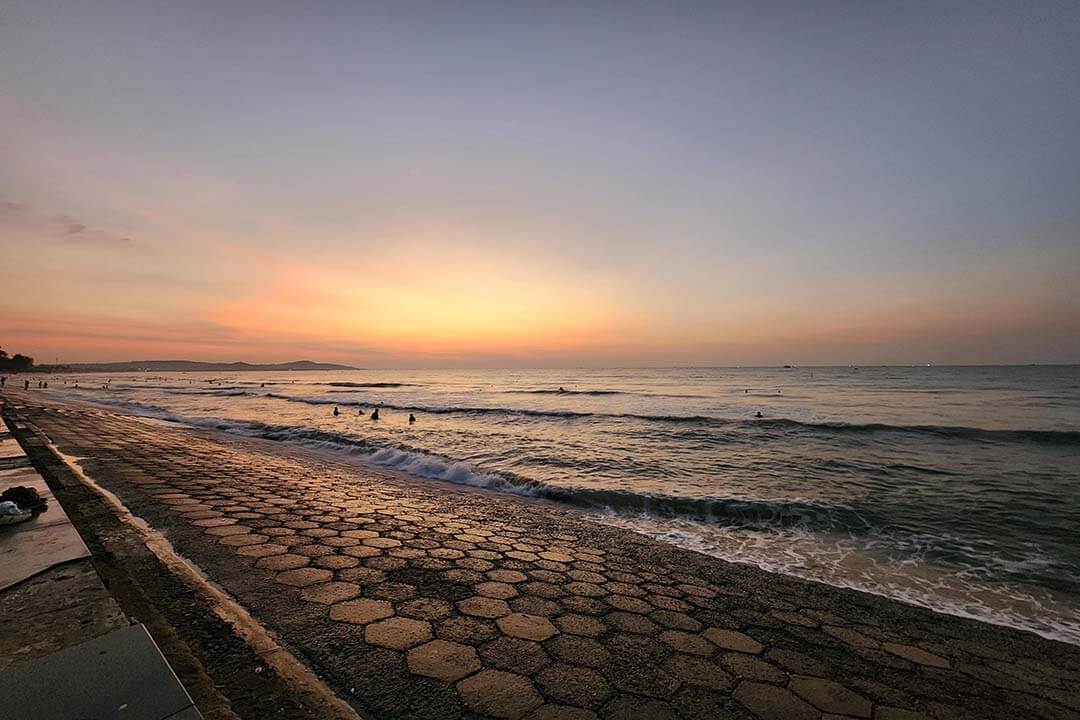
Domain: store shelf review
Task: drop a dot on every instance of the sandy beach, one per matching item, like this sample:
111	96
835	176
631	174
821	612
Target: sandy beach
416	598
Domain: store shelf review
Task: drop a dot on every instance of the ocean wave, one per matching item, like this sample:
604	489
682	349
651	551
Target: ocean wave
568	392
1057	437
216	392
368	384
752	513
601	393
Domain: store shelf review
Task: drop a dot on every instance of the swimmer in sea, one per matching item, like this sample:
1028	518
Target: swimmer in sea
336	413
562	389
375	414
412	418
758	414
360	412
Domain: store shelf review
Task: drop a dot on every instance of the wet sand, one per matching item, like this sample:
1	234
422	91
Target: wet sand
414	598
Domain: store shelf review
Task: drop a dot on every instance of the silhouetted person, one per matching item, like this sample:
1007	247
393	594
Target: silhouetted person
336	413
360	412
758	414
375	414
562	389
26	385
46	384
3	380
412	418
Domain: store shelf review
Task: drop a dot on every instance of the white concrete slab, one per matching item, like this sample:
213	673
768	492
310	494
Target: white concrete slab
40	543
121	675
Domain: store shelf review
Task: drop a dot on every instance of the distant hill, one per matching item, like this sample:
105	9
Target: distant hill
187	366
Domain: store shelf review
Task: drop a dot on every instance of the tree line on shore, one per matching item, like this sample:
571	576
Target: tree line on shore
16	362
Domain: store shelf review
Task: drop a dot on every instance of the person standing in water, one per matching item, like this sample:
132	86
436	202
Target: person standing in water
336	413
375	414
412	418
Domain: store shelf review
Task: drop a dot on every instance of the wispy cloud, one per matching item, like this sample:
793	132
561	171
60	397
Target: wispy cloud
62	229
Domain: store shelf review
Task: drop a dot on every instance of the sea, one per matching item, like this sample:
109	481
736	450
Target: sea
954	488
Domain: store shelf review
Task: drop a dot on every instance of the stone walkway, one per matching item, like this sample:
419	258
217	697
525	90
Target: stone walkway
417	599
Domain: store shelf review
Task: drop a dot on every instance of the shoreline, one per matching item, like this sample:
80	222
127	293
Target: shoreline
889	654
1053	627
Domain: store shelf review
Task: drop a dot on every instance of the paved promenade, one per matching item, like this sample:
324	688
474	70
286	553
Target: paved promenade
420	599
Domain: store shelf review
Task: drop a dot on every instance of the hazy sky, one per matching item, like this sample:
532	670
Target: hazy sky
541	183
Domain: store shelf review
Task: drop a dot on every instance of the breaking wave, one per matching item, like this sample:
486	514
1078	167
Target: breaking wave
1057	437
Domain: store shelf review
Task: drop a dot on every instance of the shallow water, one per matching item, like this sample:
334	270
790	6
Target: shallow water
954	488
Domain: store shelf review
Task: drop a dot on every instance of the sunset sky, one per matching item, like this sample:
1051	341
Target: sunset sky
541	184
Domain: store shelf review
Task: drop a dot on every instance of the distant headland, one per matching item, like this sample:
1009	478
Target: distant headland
187	366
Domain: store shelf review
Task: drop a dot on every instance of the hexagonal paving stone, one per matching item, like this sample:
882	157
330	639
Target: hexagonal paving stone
886	712
425	608
532	605
214	522
748	666
830	697
302	577
688	643
465	629
392	591
582	687
263	550
484	607
336	562
361	551
629	622
631	708
560	712
361	612
443	660
733	640
515	654
698	671
628	604
529	627
499	694
240	540
362	575
676	621
578	650
580	625
773	703
398	633
225	530
586	589
381	542
916	655
501	591
330	593
507	576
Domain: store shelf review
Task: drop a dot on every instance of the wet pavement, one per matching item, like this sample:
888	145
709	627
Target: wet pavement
414	598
